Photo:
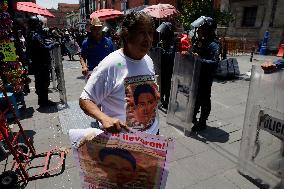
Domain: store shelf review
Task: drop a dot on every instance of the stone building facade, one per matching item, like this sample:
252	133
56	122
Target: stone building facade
60	15
251	17
72	19
254	17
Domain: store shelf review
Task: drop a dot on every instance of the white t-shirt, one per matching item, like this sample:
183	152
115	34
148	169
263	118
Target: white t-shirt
106	84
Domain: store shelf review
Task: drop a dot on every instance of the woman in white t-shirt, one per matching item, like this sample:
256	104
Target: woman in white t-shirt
114	81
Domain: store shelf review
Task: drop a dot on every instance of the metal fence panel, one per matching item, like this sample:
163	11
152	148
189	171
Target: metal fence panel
239	46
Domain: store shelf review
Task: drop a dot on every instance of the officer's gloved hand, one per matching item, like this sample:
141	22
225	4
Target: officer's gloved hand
268	67
56	44
48	41
184	53
195	54
1	85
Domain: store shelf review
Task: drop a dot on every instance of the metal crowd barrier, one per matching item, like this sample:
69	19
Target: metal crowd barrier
239	46
57	74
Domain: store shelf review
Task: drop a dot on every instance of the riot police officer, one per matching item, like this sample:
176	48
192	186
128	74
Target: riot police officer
38	51
207	46
166	32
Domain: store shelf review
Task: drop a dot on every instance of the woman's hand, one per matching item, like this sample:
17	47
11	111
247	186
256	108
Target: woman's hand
113	125
85	70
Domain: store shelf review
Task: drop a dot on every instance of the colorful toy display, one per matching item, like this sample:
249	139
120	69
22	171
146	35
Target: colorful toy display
11	69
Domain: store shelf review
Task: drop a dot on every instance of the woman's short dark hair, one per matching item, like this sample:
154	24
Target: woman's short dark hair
145	88
125	154
133	21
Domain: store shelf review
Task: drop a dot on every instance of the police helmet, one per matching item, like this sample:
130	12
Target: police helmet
166	30
204	22
165	27
34	22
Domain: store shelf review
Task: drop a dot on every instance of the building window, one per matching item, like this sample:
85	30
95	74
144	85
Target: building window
95	8
91	6
104	4
113	3
124	5
146	2
272	16
249	16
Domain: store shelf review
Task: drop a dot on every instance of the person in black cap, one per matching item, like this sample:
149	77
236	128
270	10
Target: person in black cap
207	46
38	51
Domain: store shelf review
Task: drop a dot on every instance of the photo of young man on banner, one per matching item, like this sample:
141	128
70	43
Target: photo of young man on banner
142	98
116	161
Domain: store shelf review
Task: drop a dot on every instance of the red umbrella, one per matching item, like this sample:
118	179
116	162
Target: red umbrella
105	14
161	10
33	8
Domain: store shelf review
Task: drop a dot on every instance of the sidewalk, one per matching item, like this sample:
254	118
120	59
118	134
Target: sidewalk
204	161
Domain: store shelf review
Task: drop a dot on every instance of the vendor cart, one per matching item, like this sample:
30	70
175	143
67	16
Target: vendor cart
24	154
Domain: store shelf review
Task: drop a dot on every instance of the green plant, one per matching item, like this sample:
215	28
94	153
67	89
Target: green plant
193	9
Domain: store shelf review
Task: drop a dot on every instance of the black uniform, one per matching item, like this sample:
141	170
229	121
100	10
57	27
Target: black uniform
209	54
167	64
207	46
167	60
38	50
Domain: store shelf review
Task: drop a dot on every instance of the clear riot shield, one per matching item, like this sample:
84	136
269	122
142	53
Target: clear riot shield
53	75
60	75
155	54
262	150
183	91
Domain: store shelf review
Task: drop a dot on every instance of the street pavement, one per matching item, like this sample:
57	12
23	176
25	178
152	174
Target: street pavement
204	161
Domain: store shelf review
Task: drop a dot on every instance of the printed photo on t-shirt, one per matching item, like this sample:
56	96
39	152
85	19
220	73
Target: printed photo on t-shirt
142	98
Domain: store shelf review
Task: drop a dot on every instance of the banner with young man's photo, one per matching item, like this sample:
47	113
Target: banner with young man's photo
142	97
126	160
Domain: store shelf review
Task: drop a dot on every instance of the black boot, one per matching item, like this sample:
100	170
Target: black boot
200	126
194	120
46	103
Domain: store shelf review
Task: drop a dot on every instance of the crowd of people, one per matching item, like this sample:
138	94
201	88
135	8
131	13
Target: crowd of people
107	91
122	92
34	43
99	50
